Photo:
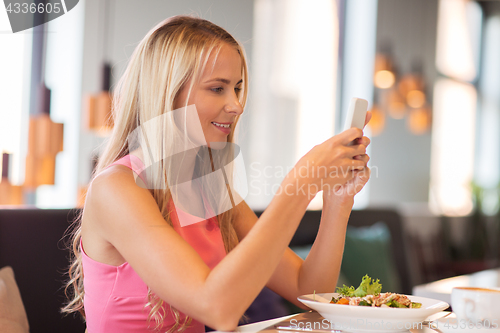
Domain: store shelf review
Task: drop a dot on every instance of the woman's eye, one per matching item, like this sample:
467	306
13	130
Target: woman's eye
237	90
217	90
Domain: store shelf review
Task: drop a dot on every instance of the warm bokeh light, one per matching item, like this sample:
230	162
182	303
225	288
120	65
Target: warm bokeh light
452	151
384	76
396	104
377	122
419	120
384	79
382	62
410	82
415	99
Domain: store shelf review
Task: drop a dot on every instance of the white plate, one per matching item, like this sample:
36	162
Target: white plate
351	318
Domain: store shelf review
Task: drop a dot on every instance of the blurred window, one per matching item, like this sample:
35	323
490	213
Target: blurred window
294	76
487	167
15	59
454	107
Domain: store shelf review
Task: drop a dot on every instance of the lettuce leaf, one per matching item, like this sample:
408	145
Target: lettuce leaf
367	287
346	291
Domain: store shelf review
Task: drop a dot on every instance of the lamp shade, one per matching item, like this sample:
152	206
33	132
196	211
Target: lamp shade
9	194
45	140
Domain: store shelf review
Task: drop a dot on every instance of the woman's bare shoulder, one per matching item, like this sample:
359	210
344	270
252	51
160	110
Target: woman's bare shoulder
115	208
114	196
112	176
109	183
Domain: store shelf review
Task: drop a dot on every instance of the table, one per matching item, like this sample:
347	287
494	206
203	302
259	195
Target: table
438	325
441	289
271	325
267	325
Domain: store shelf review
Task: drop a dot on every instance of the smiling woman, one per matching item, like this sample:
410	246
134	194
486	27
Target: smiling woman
145	258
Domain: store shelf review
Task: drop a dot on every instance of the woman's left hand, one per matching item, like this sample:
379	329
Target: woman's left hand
352	187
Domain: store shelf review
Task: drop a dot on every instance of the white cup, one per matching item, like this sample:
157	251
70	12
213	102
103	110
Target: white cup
476	304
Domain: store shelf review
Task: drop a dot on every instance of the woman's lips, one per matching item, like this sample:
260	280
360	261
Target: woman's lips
225	130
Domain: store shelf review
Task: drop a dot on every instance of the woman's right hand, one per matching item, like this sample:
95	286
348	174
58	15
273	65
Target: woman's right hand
330	164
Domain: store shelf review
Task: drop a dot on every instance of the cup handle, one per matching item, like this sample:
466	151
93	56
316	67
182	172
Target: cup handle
470	308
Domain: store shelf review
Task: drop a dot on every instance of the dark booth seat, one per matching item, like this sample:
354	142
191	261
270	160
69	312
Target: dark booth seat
31	242
363	219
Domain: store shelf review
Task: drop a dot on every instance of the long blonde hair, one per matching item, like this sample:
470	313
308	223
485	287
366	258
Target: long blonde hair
172	54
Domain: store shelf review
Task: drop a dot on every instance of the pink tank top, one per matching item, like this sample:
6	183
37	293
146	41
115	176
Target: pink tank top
115	296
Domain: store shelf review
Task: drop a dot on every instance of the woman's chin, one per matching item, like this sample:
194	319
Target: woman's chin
218	145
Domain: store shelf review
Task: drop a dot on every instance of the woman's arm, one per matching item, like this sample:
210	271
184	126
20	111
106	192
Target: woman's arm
319	272
293	276
321	268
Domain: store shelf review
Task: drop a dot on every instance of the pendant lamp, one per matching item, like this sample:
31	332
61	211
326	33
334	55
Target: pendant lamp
9	194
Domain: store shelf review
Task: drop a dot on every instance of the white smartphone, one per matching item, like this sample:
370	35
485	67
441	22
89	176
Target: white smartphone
356	114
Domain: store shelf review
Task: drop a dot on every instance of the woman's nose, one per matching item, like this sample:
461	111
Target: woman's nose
234	106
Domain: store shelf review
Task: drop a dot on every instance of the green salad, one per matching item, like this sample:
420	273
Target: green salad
369	294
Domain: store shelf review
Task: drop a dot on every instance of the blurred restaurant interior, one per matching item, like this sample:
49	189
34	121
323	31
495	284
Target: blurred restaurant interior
430	70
